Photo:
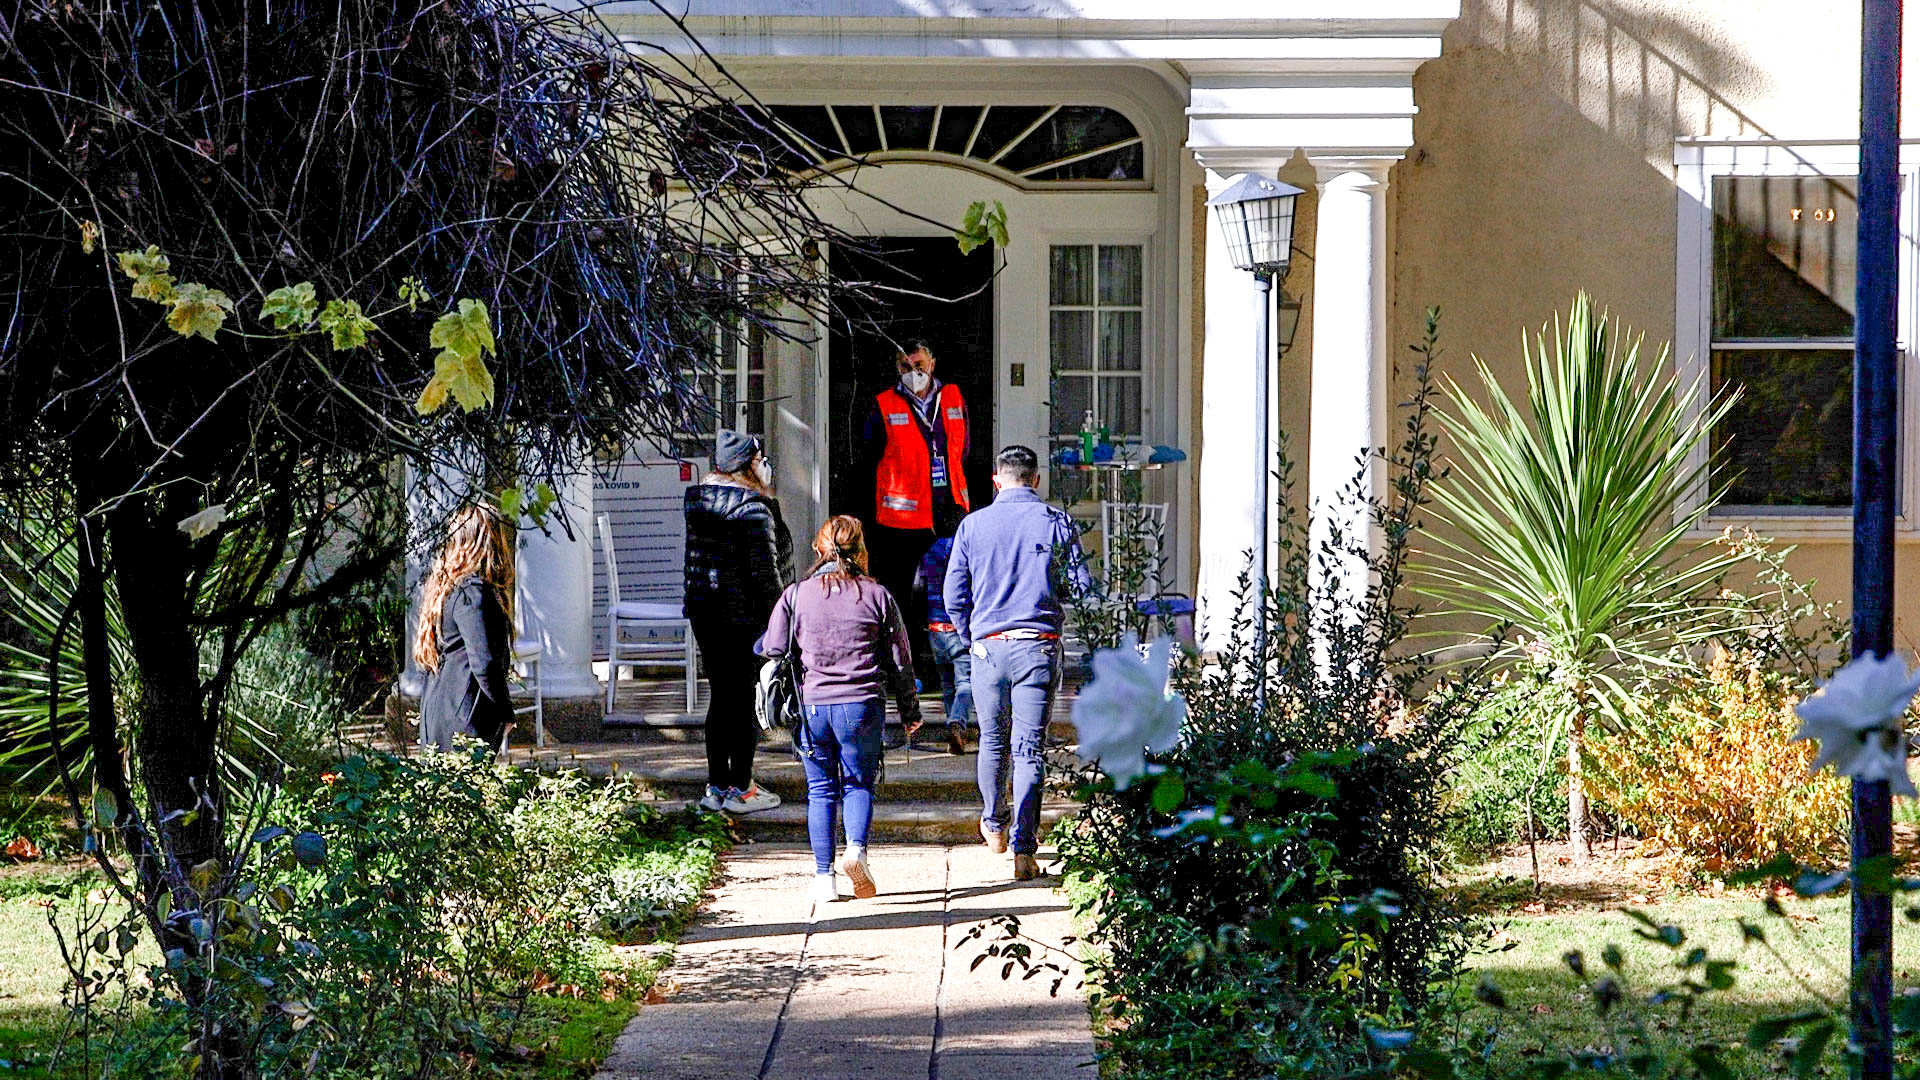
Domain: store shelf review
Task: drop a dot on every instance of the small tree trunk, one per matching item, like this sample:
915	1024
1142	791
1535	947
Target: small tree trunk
1576	790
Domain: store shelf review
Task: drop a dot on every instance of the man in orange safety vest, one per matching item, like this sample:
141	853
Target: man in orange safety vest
916	434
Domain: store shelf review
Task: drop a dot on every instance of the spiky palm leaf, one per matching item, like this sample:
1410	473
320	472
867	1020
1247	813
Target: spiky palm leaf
39	569
1569	518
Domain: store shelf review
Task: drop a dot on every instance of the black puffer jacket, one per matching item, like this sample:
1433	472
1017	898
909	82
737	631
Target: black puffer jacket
739	555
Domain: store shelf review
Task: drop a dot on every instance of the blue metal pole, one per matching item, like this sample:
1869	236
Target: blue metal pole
1875	419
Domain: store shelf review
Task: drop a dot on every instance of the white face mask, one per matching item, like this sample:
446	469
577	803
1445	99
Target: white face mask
762	471
917	381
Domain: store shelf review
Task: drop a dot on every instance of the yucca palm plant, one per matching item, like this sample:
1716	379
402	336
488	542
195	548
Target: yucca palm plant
1569	515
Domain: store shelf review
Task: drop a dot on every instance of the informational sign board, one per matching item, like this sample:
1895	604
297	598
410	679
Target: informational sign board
642	496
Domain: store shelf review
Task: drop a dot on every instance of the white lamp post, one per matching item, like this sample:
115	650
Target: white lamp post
1255	215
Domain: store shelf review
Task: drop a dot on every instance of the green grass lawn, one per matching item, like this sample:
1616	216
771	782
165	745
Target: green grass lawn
1549	1010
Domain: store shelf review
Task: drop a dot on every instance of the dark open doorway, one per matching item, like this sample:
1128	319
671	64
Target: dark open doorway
861	347
955	317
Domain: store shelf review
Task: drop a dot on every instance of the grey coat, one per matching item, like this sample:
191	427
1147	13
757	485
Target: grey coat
468	695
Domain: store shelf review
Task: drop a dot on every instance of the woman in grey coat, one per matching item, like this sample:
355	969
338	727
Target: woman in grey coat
465	633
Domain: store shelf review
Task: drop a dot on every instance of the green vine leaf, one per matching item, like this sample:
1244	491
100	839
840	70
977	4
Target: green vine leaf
413	292
290	306
981	225
198	310
464	337
342	319
148	269
466	333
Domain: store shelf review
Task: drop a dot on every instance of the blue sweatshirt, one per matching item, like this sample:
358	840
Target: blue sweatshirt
933	575
1012	562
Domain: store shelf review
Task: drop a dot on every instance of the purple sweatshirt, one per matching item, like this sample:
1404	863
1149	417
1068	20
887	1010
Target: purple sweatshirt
852	640
1012	562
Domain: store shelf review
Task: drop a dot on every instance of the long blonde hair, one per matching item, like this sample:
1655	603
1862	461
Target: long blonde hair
477	543
843	543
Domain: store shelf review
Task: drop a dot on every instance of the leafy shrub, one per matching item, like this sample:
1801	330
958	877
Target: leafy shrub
285	709
357	636
406	928
1274	893
1508	767
1715	779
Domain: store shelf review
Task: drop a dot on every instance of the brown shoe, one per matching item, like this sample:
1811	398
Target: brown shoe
996	841
1026	868
956	742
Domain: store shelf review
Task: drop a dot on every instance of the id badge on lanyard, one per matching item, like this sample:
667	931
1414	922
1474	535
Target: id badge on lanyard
939	470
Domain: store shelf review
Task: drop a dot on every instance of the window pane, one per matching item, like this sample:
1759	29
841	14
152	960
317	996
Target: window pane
1120	341
909	127
1071	276
1120	406
1004	123
814	127
1072	397
1072	129
1072	340
753	420
1783	256
1126	163
1120	274
1788	440
956	126
863	135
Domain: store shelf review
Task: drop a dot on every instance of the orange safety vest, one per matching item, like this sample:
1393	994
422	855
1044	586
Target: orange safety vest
903	485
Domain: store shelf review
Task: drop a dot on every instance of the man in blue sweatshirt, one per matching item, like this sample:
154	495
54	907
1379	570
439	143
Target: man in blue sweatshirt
1013	564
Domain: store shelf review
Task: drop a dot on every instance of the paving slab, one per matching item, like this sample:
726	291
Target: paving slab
766	986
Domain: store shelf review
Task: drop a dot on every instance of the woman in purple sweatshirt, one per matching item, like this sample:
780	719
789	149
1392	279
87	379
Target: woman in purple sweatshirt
853	651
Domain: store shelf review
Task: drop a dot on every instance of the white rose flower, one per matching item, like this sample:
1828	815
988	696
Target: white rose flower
1855	718
1127	710
199	525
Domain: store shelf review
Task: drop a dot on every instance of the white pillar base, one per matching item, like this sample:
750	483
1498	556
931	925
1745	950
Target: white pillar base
554	599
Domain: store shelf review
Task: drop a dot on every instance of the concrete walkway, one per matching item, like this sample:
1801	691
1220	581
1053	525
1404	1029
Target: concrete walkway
765	987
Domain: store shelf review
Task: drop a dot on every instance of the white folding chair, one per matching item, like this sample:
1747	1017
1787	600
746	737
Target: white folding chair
644	615
1143	529
527	651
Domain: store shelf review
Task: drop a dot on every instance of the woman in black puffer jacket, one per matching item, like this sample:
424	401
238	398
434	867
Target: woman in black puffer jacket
739	558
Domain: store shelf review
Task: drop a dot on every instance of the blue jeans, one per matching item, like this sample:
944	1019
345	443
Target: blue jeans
842	760
956	675
1013	685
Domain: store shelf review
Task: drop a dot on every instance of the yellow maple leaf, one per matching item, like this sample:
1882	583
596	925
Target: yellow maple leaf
467	333
432	397
198	310
467	378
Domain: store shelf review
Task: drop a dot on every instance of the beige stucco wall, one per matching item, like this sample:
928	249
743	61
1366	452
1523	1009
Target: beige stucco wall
1543	164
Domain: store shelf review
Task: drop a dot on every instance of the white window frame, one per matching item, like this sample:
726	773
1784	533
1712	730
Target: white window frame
1698	162
1144	376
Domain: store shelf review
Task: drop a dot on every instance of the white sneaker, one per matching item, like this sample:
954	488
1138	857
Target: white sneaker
854	865
715	799
824	890
752	800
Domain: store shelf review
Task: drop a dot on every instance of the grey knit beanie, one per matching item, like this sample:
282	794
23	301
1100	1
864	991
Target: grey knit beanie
733	451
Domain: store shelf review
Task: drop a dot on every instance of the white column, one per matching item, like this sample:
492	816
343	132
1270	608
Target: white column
554	600
1229	460
1348	413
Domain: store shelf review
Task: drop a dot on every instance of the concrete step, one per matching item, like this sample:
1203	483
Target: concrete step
656	727
679	770
894	821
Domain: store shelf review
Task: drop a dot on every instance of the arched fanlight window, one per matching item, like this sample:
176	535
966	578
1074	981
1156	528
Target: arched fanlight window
1038	143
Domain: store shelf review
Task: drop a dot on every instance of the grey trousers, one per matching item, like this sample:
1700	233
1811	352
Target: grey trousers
1013	685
